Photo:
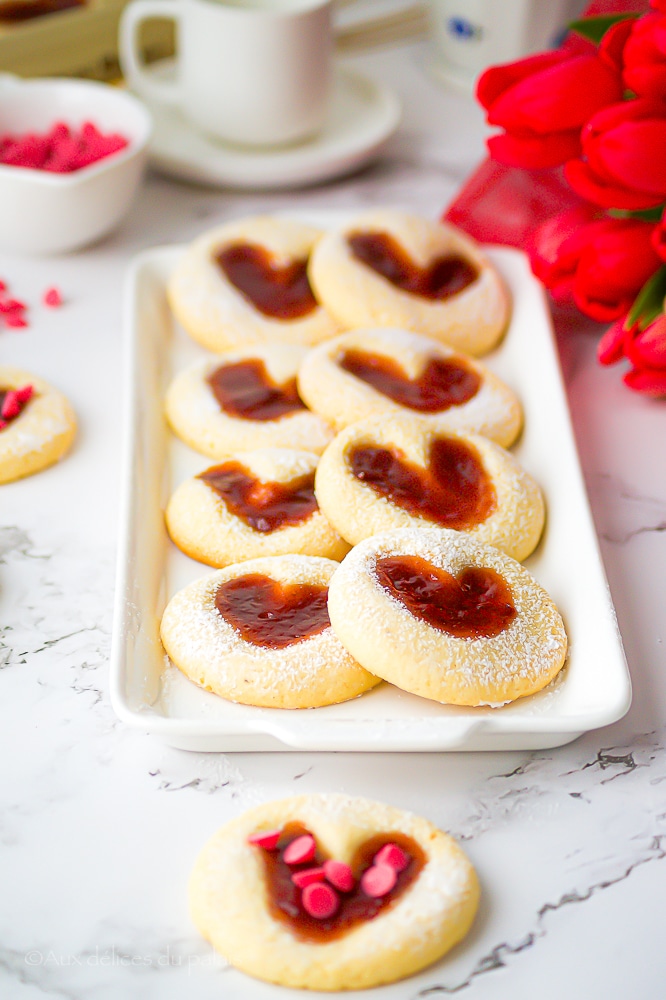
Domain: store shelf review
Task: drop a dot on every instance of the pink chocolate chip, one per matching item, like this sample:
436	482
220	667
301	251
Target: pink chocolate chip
307	876
53	297
267	839
300	850
391	854
320	901
378	880
339	875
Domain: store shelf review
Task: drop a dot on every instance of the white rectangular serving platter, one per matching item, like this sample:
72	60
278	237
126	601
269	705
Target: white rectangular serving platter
148	692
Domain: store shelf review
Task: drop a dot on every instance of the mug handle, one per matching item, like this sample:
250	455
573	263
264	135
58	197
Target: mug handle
138	80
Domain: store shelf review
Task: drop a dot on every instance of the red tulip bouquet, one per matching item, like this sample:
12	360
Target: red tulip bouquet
600	111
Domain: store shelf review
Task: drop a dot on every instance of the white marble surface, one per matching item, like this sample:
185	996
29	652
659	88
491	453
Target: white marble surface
100	825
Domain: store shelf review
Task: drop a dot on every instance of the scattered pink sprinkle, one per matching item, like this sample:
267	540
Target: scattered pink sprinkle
267	839
307	877
320	901
300	850
15	321
339	875
13	403
378	880
391	854
12	305
52	297
61	150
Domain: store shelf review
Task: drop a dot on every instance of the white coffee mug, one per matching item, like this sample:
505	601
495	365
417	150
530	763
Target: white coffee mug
467	36
255	72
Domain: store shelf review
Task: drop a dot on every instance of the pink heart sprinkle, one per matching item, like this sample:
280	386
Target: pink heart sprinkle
24	393
339	875
307	876
267	839
300	850
378	880
320	901
52	297
15	321
391	854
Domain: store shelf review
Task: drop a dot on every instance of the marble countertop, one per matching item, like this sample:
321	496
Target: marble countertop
100	824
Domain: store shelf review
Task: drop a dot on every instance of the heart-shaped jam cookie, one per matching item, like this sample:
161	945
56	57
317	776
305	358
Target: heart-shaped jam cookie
263	506
258	633
442	383
328	892
281	291
454	489
273	614
444	617
444	276
246	390
476	603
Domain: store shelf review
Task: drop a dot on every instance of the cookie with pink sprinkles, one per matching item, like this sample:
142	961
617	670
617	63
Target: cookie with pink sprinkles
37	424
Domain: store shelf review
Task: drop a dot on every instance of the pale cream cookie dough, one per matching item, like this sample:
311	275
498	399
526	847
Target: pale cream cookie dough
219	649
471	320
219	314
342	380
368	605
40	433
231	902
196	416
375	469
258	503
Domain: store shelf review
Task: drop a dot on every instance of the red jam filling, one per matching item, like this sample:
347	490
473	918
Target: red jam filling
336	897
443	277
454	489
246	390
441	385
279	291
263	506
273	614
476	604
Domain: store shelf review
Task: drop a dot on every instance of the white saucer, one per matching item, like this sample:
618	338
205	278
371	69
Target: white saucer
363	116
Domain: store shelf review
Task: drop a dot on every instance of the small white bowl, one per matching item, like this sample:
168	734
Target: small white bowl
42	212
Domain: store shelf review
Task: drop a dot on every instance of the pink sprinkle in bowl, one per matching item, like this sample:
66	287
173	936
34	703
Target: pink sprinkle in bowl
45	213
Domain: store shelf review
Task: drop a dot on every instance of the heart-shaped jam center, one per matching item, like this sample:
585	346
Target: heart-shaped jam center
443	277
476	604
441	385
262	506
246	390
372	888
454	489
273	614
281	291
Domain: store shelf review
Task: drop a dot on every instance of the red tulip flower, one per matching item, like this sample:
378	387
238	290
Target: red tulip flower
645	349
624	156
659	237
542	102
600	263
637	46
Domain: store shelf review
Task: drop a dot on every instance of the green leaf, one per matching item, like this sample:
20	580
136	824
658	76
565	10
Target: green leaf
649	302
646	214
594	28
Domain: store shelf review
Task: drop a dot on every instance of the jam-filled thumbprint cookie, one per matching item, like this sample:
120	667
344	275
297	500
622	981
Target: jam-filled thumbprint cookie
246	282
447	618
329	892
245	399
37	424
365	373
258	633
394	472
390	268
257	503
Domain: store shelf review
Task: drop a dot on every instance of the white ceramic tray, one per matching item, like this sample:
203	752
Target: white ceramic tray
149	693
